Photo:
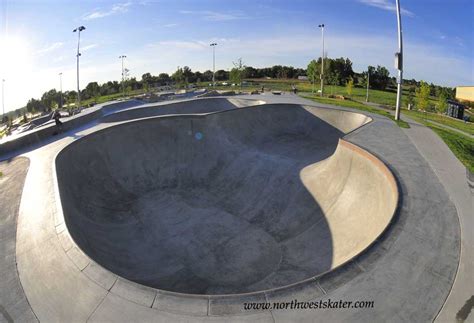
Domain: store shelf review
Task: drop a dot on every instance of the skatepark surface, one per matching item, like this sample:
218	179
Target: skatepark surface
344	201
232	202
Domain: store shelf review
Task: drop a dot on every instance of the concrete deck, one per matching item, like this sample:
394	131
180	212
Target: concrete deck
408	271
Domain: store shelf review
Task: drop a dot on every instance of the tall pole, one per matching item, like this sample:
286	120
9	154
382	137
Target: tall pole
213	45
3	98
322	59
368	82
123	76
61	90
399	63
78	30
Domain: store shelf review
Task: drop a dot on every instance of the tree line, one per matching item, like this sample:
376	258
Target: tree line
337	71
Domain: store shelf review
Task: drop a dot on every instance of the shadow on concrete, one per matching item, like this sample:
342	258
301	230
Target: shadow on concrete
196	204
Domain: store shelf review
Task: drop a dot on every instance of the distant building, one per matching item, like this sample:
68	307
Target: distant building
465	93
302	78
455	109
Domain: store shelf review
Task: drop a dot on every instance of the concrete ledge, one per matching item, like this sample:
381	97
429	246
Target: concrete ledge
36	136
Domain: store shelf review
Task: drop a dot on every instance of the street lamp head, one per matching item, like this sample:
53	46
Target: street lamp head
321	26
213	44
80	28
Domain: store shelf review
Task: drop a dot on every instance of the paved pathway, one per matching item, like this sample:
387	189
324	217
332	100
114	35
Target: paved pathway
451	128
452	175
392	112
14	306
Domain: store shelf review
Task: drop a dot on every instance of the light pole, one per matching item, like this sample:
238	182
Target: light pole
399	63
61	90
368	82
213	45
78	30
123	75
322	59
3	99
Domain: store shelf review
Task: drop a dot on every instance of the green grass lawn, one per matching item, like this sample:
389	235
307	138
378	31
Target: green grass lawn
354	105
467	127
105	98
387	98
462	146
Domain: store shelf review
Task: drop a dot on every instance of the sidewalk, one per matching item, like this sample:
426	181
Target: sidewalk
452	175
450	128
392	112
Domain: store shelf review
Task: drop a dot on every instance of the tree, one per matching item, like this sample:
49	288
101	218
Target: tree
207	76
164	79
109	88
221	75
442	102
237	73
146	81
70	96
34	106
50	100
338	71
197	76
313	71
250	72
92	90
178	77
349	86
422	94
146	77
379	77
189	76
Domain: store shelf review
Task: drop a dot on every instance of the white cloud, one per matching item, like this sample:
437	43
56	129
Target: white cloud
187	45
116	9
58	59
459	41
422	60
216	16
88	47
50	48
170	25
386	5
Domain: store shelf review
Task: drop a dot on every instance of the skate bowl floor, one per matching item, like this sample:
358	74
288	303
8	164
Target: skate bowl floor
230	202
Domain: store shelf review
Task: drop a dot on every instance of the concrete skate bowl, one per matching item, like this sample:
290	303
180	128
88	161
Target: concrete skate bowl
196	106
232	202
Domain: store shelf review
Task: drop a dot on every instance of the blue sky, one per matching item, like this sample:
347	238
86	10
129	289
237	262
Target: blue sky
37	42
